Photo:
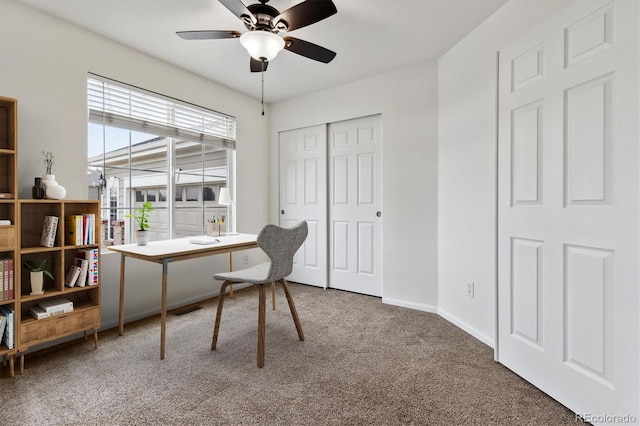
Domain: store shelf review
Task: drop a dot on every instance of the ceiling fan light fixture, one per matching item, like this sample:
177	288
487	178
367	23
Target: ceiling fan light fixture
262	44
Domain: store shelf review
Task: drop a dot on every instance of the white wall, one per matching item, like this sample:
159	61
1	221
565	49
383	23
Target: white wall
407	99
467	166
45	62
439	196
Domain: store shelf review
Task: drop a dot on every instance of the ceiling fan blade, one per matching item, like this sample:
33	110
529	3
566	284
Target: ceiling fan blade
305	13
256	65
309	50
239	9
207	34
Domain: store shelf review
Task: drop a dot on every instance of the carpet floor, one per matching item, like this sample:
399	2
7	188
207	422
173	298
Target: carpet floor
362	363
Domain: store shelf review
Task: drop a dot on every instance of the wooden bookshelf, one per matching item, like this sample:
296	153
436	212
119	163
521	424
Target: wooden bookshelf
20	241
8	211
86	300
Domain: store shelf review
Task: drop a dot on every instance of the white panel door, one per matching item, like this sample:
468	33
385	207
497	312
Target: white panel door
568	208
303	196
355	199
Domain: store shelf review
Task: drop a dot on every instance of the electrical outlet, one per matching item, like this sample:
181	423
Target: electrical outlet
470	289
246	259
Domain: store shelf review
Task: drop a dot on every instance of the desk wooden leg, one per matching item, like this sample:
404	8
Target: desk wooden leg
163	315
216	327
95	337
273	295
230	269
121	308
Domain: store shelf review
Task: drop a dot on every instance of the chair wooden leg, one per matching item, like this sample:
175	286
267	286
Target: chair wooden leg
292	306
273	296
223	288
261	323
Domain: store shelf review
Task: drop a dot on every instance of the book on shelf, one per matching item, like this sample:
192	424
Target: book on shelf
49	229
5	222
92	256
73	229
3	295
38	313
72	276
3	324
7	195
58	305
8	338
89	228
6	278
11	280
83	264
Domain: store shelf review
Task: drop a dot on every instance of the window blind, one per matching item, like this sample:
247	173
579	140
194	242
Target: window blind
118	105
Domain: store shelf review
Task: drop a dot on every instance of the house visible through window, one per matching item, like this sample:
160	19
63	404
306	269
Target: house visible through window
147	147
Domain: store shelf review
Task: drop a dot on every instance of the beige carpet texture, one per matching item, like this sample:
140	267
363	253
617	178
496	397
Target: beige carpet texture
362	363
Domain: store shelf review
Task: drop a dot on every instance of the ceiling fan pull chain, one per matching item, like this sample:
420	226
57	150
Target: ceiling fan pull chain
262	95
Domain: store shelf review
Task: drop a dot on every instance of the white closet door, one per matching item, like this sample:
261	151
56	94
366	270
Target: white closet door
355	199
568	208
303	196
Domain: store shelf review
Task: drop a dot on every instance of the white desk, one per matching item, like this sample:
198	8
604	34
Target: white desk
167	251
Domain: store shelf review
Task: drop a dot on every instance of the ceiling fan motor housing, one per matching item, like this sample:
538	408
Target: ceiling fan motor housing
264	15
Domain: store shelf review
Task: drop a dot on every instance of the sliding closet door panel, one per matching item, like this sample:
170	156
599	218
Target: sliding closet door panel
303	196
355	199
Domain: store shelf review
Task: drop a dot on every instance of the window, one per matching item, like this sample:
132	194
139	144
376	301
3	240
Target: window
208	194
147	147
192	193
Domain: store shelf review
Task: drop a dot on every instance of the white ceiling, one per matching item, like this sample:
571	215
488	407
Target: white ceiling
369	36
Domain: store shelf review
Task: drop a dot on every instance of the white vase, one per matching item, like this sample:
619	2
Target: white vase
49	180
53	191
37	282
56	192
142	237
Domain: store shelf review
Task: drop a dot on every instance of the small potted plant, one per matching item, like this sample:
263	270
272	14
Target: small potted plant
37	272
141	216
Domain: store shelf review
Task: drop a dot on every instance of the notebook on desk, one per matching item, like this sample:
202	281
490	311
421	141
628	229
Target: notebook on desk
204	240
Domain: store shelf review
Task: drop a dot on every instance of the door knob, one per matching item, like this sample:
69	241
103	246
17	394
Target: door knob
281	211
379	213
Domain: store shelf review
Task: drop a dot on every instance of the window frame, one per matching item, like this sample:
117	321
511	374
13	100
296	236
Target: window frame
205	145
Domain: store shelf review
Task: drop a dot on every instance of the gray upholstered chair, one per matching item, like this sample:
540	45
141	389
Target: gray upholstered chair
280	244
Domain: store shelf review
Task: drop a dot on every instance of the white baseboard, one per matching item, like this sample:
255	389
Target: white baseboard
410	305
489	341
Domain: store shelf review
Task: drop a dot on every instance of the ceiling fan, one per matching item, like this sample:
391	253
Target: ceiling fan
264	23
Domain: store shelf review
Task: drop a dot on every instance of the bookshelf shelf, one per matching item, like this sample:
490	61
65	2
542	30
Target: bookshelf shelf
29	250
49	294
